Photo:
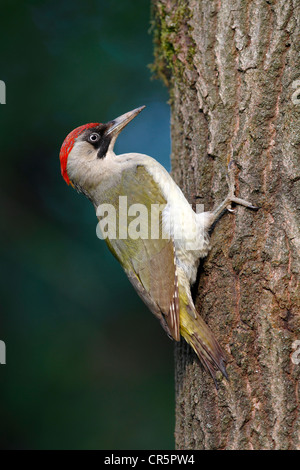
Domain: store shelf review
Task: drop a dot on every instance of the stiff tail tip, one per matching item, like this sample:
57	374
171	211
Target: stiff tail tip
199	336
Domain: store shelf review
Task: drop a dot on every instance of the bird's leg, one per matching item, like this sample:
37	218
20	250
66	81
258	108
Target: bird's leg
231	198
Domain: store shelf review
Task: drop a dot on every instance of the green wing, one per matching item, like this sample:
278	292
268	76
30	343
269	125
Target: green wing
149	263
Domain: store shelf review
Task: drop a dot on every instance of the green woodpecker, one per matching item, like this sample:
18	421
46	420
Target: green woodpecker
161	268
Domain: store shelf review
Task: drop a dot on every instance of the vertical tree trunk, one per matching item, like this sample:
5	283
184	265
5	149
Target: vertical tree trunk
232	68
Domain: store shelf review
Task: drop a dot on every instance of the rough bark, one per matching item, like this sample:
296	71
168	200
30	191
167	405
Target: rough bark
233	71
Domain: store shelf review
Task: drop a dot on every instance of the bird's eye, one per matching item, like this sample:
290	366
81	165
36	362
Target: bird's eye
94	137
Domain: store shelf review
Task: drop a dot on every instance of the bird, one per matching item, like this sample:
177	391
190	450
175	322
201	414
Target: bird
161	268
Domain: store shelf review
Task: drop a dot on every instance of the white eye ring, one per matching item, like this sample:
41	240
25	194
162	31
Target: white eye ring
94	137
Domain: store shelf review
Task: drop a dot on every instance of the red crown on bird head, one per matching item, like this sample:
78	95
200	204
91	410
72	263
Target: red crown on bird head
68	145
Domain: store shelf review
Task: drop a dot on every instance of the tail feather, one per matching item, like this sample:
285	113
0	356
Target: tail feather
199	336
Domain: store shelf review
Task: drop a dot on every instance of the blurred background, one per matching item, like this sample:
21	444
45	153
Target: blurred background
88	366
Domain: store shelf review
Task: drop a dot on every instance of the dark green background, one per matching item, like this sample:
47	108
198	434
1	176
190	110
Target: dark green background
88	366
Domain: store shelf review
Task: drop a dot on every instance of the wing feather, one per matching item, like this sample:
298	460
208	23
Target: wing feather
150	264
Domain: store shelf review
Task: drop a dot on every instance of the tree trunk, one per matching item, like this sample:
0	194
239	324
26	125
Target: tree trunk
232	69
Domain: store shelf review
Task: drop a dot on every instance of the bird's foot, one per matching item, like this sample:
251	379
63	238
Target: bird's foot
231	198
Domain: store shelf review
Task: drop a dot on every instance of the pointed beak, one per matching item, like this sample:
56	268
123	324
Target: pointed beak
115	126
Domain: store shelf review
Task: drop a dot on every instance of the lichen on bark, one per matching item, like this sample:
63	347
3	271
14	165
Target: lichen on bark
232	70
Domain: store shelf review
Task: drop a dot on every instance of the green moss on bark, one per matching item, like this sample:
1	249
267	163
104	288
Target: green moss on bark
173	48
